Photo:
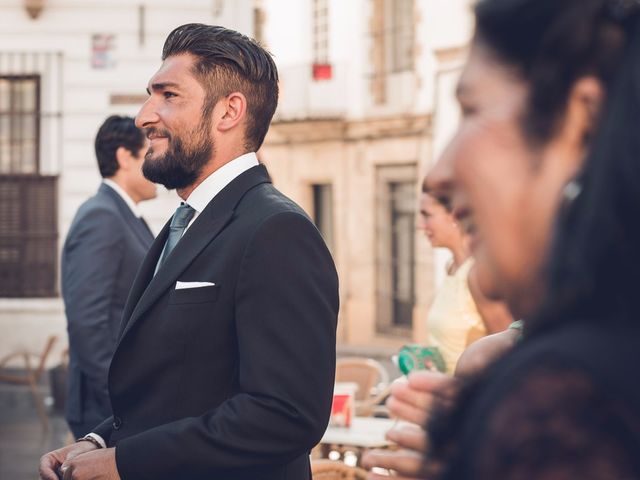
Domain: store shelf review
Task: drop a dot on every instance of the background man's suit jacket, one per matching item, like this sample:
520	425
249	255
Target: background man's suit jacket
235	380
103	250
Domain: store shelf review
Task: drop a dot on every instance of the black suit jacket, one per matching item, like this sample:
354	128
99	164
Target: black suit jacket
103	250
235	380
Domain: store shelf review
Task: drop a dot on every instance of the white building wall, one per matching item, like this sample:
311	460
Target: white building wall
445	25
289	37
67	26
442	33
440	25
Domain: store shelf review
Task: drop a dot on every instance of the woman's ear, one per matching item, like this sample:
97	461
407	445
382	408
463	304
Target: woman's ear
583	110
569	146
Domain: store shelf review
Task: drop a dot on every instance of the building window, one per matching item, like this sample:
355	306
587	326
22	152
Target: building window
395	249
393	42
28	236
19	121
28	200
259	21
323	211
400	38
321	66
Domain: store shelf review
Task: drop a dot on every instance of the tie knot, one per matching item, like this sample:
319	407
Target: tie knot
182	217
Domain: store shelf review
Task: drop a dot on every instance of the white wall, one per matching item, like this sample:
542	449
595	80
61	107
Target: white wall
288	35
67	26
440	24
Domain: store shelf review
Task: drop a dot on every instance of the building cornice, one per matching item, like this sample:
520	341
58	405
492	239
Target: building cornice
283	132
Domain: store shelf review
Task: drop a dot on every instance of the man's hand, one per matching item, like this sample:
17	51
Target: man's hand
99	464
51	462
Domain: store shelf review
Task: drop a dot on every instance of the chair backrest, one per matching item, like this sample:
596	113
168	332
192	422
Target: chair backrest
32	374
366	372
335	470
42	363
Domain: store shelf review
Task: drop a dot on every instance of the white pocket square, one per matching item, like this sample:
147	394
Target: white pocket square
185	285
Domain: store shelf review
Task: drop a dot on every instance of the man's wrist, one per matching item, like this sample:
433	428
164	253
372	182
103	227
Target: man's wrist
91	439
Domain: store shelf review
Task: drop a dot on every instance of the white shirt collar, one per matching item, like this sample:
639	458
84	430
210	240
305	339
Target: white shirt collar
214	183
127	199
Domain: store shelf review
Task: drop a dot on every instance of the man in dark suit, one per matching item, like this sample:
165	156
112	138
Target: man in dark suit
226	359
105	246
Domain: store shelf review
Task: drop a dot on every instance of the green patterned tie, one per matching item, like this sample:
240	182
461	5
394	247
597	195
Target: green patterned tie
179	221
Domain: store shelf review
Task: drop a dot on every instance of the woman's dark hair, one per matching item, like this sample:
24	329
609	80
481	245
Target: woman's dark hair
551	44
116	132
228	62
594	264
442	199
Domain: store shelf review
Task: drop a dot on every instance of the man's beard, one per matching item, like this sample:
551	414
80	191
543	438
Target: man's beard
181	164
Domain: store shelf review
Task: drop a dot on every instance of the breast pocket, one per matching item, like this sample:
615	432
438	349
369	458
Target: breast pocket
183	296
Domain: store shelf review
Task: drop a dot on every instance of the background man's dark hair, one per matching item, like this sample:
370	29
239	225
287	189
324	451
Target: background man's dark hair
228	62
115	132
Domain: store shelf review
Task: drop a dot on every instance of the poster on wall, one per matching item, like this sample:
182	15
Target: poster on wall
102	51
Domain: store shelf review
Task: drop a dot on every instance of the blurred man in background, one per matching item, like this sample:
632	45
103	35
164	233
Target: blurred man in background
104	248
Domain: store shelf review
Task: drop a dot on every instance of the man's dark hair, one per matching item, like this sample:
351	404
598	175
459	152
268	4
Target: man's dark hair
115	132
228	62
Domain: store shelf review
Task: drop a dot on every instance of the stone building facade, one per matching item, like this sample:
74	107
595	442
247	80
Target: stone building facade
366	105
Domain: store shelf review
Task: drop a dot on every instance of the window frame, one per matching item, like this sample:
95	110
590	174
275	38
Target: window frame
37	115
386	175
317	191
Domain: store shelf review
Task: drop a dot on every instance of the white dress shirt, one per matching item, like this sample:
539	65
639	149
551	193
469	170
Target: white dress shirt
215	183
127	199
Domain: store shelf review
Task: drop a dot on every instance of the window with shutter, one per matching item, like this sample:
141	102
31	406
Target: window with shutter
28	200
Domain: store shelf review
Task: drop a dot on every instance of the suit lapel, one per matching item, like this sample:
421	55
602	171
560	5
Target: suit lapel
213	219
144	276
191	244
145	230
143	234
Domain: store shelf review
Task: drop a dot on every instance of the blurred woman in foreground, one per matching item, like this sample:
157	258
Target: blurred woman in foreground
550	136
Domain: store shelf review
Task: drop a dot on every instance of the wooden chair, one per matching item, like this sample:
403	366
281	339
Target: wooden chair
335	470
32	375
370	376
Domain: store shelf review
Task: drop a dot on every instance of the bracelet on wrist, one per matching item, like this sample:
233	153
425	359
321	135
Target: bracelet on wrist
89	439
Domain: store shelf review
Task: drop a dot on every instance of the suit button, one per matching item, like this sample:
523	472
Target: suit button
117	423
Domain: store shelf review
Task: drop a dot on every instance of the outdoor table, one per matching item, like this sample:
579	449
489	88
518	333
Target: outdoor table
363	434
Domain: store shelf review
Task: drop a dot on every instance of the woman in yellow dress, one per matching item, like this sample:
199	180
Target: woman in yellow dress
459	314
